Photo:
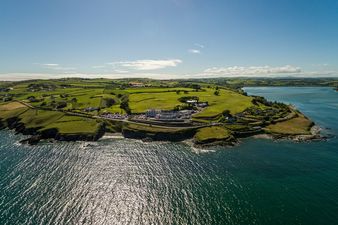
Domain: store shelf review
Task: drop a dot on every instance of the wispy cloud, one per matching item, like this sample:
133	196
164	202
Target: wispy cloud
147	64
321	65
194	51
98	67
120	71
121	74
55	66
251	70
50	64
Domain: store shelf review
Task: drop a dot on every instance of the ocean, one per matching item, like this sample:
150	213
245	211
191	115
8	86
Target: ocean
123	181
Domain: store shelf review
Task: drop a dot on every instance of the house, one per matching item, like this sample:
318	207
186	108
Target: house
191	101
152	113
185	114
202	104
5	89
230	119
32	99
168	115
136	84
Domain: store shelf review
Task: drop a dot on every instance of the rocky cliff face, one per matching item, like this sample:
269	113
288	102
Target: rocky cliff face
36	135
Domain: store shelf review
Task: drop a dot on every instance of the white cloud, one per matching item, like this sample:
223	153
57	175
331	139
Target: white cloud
98	67
121	74
147	64
121	71
113	75
194	51
55	66
321	65
50	64
251	71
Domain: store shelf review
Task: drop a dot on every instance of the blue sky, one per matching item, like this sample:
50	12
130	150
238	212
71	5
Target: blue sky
168	38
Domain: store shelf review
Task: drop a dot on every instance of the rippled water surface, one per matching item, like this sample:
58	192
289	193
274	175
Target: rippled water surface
130	182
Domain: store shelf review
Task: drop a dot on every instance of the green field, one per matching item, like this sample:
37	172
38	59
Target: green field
45	119
226	100
296	126
212	133
74	125
69	105
79	94
39	118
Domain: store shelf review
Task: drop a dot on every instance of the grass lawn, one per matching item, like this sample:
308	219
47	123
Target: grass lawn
298	125
212	133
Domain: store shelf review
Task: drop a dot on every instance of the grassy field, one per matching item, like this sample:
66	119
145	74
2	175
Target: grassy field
74	125
226	100
155	90
90	93
44	119
11	106
212	133
12	109
6	114
39	118
56	100
299	125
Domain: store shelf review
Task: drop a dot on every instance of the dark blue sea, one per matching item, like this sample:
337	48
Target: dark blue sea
122	181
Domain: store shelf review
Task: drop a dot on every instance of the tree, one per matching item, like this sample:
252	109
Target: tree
226	113
216	92
196	87
108	102
60	105
125	106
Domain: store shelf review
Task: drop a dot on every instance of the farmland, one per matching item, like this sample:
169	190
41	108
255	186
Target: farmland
167	99
205	110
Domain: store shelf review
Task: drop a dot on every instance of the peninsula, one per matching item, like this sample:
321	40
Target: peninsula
172	110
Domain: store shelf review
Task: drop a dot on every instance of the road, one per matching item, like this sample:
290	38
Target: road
119	120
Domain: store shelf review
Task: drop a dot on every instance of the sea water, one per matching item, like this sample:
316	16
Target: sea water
120	181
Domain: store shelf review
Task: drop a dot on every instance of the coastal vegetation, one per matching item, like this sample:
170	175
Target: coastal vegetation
213	134
208	111
297	125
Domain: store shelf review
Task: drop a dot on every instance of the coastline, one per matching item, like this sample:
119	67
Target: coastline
258	118
36	137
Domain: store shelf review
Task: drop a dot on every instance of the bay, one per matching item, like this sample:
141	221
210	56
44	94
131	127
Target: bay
120	181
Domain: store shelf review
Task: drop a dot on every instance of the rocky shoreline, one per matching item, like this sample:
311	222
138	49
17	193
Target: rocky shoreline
315	135
36	136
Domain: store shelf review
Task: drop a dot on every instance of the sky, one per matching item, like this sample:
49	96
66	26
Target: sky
166	39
